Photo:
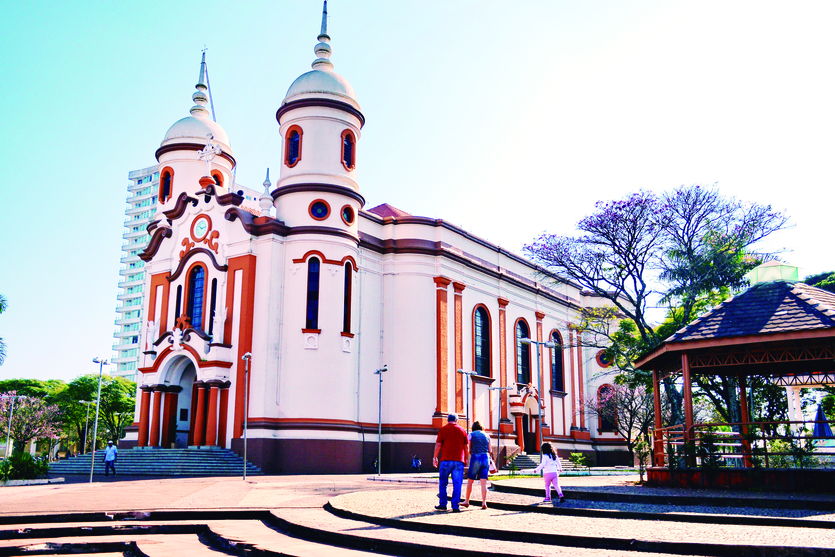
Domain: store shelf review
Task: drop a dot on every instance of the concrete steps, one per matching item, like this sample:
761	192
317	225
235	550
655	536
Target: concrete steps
161	462
525	461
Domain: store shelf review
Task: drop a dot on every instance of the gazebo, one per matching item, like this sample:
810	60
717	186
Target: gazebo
781	330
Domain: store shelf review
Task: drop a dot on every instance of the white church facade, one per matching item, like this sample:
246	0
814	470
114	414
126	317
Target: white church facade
276	318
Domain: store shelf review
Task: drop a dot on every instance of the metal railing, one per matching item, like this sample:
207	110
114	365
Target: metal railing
773	444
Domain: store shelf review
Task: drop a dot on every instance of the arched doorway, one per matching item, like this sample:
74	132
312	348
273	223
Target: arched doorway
179	378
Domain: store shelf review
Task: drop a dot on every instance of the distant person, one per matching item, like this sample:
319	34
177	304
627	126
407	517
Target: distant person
417	464
550	466
479	463
450	455
111	453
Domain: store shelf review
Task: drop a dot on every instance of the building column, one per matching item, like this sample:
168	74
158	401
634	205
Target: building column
200	414
458	288
503	361
688	406
192	411
211	415
441	351
222	414
571	357
520	434
581	387
144	412
153	439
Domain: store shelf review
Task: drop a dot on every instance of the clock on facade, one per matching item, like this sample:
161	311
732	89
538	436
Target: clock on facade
200	227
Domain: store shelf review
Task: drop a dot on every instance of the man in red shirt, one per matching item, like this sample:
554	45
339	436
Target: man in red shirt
451	448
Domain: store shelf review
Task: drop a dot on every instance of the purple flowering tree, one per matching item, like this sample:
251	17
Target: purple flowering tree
624	409
32	419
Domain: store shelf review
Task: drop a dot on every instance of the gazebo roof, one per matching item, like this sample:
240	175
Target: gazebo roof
773	327
770	307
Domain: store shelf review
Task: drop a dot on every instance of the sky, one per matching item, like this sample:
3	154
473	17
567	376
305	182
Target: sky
506	118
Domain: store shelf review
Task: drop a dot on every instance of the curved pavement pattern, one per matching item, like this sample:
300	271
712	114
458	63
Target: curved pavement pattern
349	515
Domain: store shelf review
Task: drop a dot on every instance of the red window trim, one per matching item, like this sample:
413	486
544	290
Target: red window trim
310	209
353	164
186	285
290	130
162	173
489	336
353	214
516	352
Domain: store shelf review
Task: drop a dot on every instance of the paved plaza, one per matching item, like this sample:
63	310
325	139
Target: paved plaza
356	515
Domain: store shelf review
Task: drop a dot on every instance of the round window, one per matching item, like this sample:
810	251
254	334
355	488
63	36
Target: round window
603	359
319	209
348	214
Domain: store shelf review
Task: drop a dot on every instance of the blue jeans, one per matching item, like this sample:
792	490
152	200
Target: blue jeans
456	469
109	465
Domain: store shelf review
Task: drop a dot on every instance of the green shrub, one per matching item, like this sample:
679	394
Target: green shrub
579	459
23	466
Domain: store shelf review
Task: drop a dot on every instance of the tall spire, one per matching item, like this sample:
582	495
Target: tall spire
200	96
323	48
324	30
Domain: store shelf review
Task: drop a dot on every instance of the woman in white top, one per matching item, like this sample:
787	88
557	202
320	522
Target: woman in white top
550	467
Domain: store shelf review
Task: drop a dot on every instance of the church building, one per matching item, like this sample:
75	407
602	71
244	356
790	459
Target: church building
278	319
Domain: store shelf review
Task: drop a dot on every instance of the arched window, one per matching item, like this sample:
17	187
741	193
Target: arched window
348	150
481	342
293	146
196	289
557	376
311	321
346	300
179	304
523	353
166	182
607	410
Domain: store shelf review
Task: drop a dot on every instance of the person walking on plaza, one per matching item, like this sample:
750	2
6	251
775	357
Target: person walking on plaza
479	463
110	455
550	466
450	455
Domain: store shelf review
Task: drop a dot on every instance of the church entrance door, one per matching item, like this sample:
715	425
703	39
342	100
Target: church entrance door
528	435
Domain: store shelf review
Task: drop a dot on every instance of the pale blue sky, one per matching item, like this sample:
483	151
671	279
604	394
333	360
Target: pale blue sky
508	118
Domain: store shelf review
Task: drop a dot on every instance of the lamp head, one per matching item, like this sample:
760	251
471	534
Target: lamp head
525	341
381	370
247	356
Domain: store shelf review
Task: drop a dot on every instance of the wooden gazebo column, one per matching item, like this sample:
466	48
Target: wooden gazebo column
657	440
688	402
744	415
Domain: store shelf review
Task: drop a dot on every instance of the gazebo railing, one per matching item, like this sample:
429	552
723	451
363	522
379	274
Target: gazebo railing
773	444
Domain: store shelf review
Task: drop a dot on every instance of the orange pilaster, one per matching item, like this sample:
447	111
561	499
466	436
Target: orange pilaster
441	349
581	387
167	419
459	347
245	311
211	416
200	415
192	411
503	357
520	436
153	439
571	357
144	412
222	413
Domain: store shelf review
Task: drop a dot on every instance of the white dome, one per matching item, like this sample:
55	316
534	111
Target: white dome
193	129
322	82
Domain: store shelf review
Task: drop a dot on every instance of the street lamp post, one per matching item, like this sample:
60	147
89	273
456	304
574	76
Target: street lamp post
498	418
246	358
538	344
379	373
9	430
468	375
101	363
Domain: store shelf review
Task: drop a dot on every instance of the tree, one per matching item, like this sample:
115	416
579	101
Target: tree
684	248
3	305
116	412
628	409
825	281
32	418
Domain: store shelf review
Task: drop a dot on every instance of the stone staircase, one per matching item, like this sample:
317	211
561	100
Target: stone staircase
525	461
161	462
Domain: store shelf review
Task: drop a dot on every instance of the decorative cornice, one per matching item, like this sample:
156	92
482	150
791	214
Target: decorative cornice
503	302
458	287
153	246
442	282
180	206
327	103
194	251
317	187
257	226
190	147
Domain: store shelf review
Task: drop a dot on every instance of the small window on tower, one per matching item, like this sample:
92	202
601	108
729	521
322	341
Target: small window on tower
293	146
348	150
165	184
